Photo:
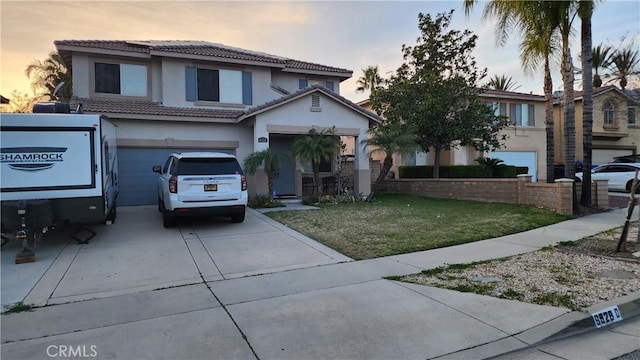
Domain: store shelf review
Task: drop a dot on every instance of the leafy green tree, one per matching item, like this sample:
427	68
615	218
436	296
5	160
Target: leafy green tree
47	74
369	80
601	59
502	82
436	91
315	147
388	138
20	102
268	160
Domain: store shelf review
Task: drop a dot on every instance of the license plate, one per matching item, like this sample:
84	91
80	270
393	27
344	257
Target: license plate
210	187
607	316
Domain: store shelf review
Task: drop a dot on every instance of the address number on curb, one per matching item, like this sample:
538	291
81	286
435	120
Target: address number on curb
606	316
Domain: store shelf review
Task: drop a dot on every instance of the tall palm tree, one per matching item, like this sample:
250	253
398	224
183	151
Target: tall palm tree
502	82
46	75
369	80
585	11
625	63
539	44
268	160
601	58
316	147
388	138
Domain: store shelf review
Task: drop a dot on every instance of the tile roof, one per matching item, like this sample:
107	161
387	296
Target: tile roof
577	95
199	48
510	94
141	107
313	88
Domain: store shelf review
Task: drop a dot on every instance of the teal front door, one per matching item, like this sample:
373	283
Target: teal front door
284	182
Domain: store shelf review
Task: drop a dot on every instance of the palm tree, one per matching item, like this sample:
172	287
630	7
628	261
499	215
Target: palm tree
46	75
268	160
369	80
316	147
601	58
502	82
585	11
625	63
388	138
539	44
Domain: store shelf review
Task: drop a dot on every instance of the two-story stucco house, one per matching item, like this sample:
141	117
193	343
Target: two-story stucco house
168	96
526	137
616	131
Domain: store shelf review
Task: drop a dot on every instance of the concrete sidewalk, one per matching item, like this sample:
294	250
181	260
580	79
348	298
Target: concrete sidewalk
335	308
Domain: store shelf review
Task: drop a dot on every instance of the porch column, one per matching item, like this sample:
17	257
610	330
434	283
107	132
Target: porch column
258	183
362	173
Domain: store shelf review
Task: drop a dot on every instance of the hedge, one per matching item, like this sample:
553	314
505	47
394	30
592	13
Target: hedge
460	171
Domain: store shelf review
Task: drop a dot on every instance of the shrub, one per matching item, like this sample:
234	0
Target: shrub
310	200
263	201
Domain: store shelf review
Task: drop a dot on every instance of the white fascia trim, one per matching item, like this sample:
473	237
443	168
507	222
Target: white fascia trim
341	75
79	49
215	59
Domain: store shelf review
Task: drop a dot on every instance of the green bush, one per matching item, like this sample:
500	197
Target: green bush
310	200
506	171
522	170
263	201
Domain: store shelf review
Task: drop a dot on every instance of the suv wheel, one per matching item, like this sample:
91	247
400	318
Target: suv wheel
168	221
237	218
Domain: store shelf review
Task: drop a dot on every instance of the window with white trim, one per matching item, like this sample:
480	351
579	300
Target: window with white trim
222	86
632	115
522	114
609	113
120	79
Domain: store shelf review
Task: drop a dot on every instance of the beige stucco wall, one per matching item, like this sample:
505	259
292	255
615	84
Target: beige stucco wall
628	142
291	82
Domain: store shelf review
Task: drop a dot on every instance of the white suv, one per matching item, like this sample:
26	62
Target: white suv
200	184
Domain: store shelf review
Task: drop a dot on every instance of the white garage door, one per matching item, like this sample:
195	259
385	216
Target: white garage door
603	156
520	158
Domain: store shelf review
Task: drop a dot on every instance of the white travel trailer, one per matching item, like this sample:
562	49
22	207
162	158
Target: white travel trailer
56	168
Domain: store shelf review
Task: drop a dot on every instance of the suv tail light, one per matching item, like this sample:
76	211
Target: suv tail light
173	185
244	182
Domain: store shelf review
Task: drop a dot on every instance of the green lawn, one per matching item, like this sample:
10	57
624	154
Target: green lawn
398	224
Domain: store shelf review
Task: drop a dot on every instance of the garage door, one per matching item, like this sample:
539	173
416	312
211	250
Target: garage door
519	158
603	156
136	180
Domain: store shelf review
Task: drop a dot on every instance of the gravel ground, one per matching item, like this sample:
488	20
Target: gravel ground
574	275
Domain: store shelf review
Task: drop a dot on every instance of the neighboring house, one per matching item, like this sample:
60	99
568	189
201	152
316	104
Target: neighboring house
526	137
616	130
168	96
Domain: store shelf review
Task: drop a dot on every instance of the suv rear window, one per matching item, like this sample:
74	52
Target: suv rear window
215	166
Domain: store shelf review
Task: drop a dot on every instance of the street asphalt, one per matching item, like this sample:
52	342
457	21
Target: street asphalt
259	290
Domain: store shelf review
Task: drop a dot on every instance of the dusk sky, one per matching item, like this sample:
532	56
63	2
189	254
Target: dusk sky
350	35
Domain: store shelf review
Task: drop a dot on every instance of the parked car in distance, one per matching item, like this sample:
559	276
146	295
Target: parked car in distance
620	175
201	184
626	159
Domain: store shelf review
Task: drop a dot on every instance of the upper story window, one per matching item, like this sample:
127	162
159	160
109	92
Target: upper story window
522	114
120	79
218	85
609	113
499	109
303	83
632	115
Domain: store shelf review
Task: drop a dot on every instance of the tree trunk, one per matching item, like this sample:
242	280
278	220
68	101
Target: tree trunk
386	166
569	115
270	178
436	162
316	177
548	111
587	112
597	81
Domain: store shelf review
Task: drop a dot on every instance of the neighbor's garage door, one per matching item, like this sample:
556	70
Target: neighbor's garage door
519	158
137	181
603	156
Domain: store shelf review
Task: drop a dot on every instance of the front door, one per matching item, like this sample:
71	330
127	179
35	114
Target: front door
284	182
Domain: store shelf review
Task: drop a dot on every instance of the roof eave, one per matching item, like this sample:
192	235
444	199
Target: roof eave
166	118
170	54
341	75
91	50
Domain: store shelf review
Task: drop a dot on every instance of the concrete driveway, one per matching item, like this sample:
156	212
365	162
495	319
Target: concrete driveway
136	254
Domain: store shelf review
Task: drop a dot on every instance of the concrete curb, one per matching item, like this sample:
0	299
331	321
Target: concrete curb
575	323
